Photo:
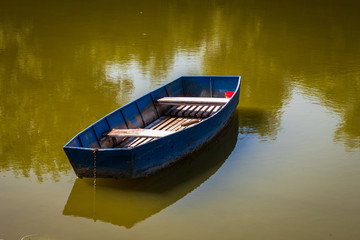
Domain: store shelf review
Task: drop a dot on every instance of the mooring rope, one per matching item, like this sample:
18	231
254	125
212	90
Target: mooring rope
95	151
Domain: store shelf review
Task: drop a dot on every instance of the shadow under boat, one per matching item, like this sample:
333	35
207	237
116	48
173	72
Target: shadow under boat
126	202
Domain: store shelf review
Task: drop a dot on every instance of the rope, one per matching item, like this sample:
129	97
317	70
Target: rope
95	151
94	189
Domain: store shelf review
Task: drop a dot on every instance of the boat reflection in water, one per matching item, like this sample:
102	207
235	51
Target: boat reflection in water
127	202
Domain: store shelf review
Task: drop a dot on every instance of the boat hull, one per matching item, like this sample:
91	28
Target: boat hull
153	156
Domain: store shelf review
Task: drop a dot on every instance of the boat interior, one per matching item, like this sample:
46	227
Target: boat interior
178	105
175	119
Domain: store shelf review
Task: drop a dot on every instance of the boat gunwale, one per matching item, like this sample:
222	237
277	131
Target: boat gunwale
164	86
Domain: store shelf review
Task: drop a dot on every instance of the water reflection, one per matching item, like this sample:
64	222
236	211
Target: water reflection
312	45
263	123
126	203
65	64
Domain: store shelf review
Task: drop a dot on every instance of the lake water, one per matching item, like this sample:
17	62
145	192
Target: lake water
287	166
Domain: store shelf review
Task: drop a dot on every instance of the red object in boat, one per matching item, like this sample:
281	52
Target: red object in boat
229	94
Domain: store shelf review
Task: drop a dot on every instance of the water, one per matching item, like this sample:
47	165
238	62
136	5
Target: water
286	168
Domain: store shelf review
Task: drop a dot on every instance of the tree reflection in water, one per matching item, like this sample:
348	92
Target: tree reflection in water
61	72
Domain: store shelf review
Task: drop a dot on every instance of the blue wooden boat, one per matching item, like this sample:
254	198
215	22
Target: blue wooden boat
157	129
103	204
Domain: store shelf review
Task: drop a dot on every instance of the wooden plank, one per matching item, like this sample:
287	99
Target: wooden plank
145	141
217	108
190	122
208	111
193	113
202	110
140	132
181	112
170	127
187	113
164	123
156	122
168	112
178	122
137	142
127	141
171	124
178	126
163	126
174	112
193	101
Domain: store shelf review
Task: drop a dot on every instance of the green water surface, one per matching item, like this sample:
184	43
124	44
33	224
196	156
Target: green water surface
286	167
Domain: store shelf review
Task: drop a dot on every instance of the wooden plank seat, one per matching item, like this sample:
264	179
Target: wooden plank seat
199	101
109	142
167	124
139	132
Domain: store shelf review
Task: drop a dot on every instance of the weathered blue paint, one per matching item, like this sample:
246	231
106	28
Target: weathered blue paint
149	157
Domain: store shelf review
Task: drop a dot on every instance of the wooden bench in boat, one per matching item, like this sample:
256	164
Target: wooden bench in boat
198	101
123	137
163	126
140	132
